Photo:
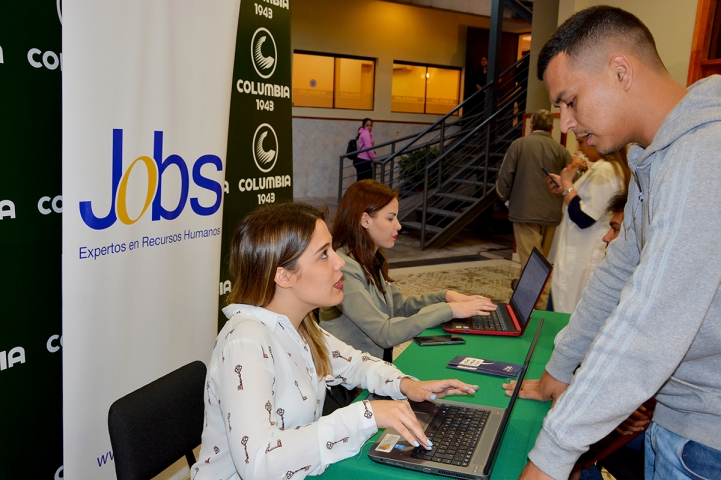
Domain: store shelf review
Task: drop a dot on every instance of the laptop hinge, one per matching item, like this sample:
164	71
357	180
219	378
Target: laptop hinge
512	314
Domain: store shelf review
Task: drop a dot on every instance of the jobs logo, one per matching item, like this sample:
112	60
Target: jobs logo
265	159
263	64
155	167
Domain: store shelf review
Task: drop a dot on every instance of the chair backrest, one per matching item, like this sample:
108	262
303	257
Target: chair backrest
154	426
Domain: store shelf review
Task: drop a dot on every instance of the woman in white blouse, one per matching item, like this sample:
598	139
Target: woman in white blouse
271	363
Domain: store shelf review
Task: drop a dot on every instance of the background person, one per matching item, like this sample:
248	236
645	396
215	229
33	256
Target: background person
649	322
577	245
480	78
374	314
615	208
534	211
363	164
271	363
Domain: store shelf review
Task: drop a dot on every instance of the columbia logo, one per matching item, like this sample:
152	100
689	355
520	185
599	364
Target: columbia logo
264	52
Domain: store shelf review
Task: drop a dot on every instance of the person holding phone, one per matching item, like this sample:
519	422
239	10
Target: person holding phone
271	363
534	211
374	315
578	245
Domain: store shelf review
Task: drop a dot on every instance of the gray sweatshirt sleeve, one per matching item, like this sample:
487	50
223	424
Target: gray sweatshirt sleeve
408	306
598	301
661	308
388	330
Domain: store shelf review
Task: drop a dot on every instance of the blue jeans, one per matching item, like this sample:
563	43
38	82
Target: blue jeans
672	457
592	473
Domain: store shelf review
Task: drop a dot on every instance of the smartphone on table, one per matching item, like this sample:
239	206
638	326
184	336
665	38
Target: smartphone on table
548	174
439	340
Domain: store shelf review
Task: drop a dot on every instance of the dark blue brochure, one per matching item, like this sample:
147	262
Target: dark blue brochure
480	365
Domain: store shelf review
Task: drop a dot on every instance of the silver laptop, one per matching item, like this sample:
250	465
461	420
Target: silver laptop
465	437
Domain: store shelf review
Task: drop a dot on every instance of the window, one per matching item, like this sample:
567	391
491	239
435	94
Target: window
424	89
330	81
706	47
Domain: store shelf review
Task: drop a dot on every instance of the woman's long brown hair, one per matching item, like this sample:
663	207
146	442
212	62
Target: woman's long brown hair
619	161
366	196
267	238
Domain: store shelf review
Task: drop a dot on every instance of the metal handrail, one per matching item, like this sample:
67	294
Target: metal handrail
476	129
460	105
467	155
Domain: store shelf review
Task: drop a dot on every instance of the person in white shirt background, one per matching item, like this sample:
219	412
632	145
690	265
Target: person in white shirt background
577	245
271	362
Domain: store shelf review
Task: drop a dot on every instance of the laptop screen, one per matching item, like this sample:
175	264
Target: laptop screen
529	286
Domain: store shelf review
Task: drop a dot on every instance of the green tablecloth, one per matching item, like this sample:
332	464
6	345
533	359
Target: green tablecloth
428	363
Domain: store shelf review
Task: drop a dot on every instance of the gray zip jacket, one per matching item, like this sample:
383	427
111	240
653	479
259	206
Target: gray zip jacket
371	320
649	322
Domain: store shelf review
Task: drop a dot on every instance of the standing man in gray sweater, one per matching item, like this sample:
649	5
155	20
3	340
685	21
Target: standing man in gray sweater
649	322
533	209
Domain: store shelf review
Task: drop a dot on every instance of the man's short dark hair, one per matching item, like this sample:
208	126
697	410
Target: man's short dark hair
580	36
617	203
542	120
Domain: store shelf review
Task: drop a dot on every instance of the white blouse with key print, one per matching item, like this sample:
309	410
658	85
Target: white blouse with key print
263	401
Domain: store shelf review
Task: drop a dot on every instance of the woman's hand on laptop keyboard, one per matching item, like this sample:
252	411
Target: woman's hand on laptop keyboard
465	306
434	389
476	305
397	414
453	296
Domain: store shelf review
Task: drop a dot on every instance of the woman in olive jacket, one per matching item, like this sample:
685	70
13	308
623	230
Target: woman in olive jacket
374	315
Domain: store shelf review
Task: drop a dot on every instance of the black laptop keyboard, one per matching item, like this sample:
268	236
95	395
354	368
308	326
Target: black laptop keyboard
491	322
454	432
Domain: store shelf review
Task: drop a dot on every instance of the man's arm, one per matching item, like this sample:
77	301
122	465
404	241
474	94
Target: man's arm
599	299
640	345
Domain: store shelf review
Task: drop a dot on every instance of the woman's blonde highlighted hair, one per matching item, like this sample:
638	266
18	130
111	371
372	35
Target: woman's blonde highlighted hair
270	237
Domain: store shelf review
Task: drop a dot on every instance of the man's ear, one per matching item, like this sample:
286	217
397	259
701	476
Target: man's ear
365	220
284	278
623	68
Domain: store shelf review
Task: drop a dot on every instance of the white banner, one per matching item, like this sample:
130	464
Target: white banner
146	96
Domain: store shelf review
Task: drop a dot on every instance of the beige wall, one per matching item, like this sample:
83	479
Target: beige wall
545	22
387	32
671	22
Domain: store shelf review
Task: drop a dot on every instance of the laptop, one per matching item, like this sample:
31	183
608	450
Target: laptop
471	435
510	319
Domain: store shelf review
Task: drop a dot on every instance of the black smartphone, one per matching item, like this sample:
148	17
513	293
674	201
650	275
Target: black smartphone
439	340
548	174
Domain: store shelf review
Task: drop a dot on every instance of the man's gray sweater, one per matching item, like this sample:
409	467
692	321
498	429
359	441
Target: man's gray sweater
649	322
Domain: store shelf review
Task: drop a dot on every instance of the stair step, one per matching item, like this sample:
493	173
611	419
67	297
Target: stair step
474	183
455	196
418	226
440	211
479	168
463	181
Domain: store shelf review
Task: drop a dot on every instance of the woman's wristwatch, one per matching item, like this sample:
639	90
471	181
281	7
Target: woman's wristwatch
566	192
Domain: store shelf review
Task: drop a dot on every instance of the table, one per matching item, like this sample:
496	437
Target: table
427	363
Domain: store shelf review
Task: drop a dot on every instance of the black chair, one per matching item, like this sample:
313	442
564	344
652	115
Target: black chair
154	426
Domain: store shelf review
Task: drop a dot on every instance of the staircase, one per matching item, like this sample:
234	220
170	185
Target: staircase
446	174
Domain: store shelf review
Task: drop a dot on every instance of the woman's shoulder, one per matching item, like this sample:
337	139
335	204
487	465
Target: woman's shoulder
351	264
248	323
603	167
602	171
